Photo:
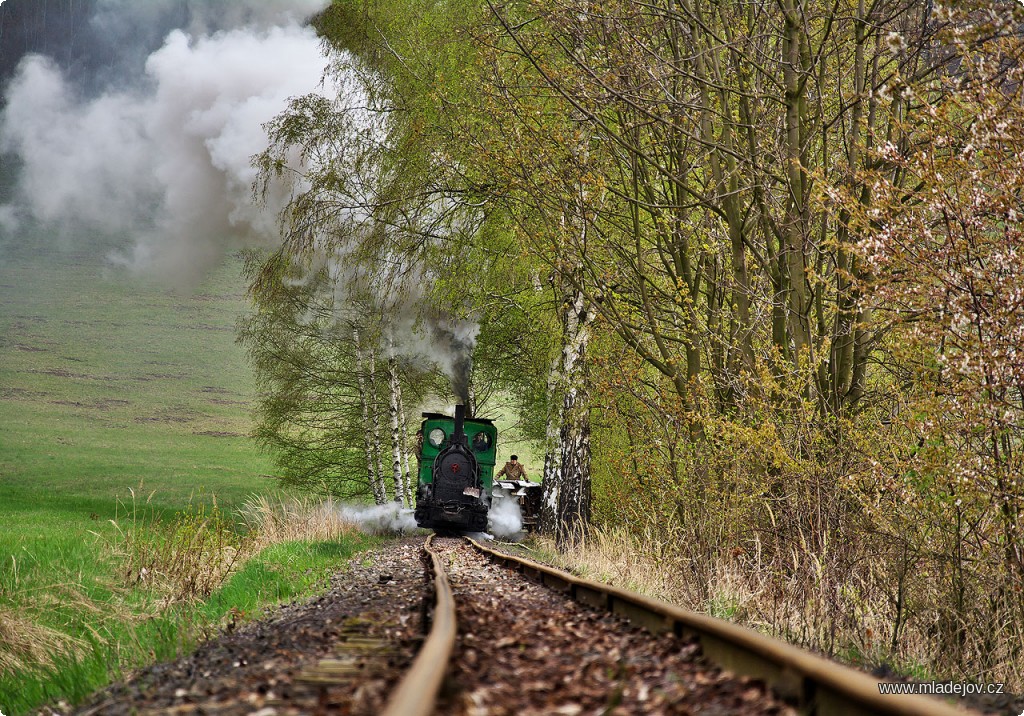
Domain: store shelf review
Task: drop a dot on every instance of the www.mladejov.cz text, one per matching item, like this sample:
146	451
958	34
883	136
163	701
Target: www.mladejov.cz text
938	688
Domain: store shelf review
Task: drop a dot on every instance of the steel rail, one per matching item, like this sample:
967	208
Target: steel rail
817	686
416	694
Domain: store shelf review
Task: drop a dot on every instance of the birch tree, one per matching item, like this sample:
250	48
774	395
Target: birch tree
397	440
371	436
566	500
318	404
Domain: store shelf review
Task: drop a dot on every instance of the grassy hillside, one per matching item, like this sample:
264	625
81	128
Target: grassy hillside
106	382
109	386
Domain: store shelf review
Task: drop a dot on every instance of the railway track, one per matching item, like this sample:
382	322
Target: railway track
806	684
498	644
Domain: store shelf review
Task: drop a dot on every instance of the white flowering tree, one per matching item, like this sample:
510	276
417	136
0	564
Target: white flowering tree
945	247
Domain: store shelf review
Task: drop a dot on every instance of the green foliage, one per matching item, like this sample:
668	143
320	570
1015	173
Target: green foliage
308	413
386	236
805	358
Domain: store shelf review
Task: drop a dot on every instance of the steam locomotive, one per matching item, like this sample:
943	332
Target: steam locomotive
456	475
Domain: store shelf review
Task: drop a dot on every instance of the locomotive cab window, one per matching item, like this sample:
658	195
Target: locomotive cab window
436	437
481	442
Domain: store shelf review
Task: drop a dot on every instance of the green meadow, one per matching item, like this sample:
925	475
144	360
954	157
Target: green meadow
107	381
124	407
109	385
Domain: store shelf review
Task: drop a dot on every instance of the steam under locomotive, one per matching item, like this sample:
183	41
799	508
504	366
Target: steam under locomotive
456	475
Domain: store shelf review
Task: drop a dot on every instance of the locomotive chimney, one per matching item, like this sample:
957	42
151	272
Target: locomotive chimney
459	437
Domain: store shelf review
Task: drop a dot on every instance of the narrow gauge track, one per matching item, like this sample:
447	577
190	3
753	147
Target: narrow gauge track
521	647
526	649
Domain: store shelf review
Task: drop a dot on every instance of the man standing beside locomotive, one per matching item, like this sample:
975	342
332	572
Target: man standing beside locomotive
513	470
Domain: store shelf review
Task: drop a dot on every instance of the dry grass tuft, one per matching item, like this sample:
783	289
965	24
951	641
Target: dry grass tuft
183	560
287	519
24	643
189	558
617	556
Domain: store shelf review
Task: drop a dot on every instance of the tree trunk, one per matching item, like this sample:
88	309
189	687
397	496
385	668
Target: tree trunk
410	479
375	428
799	303
396	435
552	452
369	439
566	505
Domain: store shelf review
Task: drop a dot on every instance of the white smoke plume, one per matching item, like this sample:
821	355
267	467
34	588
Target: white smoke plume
445	342
164	158
389	518
414	329
161	159
505	519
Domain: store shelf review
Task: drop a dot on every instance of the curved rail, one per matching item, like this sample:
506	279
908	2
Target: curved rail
814	684
417	692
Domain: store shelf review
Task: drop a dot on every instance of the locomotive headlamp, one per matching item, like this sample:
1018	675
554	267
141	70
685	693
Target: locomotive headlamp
436	437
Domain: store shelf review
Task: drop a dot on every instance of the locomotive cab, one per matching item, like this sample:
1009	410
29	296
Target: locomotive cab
456	468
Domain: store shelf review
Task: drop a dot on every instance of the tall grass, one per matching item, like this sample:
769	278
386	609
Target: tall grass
25	644
176	581
803	598
275	519
181	560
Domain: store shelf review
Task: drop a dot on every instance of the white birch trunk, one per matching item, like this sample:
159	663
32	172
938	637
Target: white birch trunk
573	514
552	450
375	427
396	440
369	444
411	481
566	507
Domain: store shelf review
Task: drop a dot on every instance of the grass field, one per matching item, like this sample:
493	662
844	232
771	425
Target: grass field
109	384
107	381
113	391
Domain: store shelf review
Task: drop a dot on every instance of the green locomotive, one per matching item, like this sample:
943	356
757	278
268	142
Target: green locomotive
456	471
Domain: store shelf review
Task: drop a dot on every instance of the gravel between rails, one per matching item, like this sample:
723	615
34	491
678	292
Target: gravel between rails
339	653
526	650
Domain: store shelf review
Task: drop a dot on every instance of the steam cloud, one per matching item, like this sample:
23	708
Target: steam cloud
445	342
505	518
454	343
159	157
166	156
413	329
388	518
